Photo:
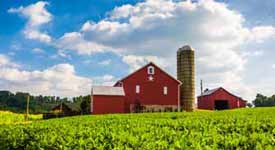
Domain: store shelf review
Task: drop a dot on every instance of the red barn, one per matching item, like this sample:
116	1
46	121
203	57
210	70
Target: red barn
147	89
219	99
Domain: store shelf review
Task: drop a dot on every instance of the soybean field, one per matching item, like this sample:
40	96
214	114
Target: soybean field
250	128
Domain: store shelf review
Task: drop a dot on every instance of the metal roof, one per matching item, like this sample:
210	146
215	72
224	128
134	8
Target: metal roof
186	47
209	92
108	90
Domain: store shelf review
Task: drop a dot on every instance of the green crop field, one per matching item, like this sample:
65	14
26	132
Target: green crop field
8	118
233	129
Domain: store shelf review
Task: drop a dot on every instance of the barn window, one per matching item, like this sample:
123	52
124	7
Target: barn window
151	70
137	89
165	90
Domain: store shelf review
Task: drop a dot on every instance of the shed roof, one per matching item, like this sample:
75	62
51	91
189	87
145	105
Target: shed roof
209	92
73	107
108	90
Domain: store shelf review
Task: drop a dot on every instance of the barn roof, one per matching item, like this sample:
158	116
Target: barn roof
73	107
108	91
209	92
150	63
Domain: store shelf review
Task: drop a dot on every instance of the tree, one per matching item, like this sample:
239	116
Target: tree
264	101
86	104
249	105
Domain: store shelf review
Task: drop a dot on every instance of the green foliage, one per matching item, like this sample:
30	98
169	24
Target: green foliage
38	104
264	101
85	104
235	129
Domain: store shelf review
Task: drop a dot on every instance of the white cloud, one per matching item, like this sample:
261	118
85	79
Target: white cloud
86	26
75	42
107	80
38	50
105	62
60	80
135	62
254	53
6	62
261	33
37	35
37	15
273	66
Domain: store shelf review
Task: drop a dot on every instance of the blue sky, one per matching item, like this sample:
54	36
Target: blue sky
64	47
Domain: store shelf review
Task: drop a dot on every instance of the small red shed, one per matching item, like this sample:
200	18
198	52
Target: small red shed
219	99
107	99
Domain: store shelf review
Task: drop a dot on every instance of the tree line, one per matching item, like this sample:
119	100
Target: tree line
16	102
264	101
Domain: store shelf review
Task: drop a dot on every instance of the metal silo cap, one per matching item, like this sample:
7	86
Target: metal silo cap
186	47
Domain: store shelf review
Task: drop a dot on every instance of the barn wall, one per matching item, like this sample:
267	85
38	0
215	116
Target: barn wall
208	102
151	92
205	102
108	104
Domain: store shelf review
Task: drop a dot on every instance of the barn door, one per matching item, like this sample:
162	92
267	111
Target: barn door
221	104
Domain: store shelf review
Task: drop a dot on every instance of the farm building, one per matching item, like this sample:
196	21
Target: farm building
219	99
107	99
63	110
146	90
66	108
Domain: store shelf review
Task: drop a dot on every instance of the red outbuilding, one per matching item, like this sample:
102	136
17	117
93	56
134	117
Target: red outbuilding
146	90
107	99
219	99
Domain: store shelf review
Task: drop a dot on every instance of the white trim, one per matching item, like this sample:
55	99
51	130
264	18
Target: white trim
165	90
137	89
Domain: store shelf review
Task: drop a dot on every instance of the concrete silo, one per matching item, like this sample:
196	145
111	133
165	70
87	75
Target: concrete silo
186	74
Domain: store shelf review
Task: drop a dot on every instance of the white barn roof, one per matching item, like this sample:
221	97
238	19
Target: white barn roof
108	90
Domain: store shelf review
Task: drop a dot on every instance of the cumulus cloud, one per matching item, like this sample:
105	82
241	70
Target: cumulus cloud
38	50
105	62
37	15
261	33
74	41
60	79
107	80
6	62
135	62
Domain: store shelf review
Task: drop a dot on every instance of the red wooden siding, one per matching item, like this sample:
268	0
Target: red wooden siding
108	104
208	101
151	92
